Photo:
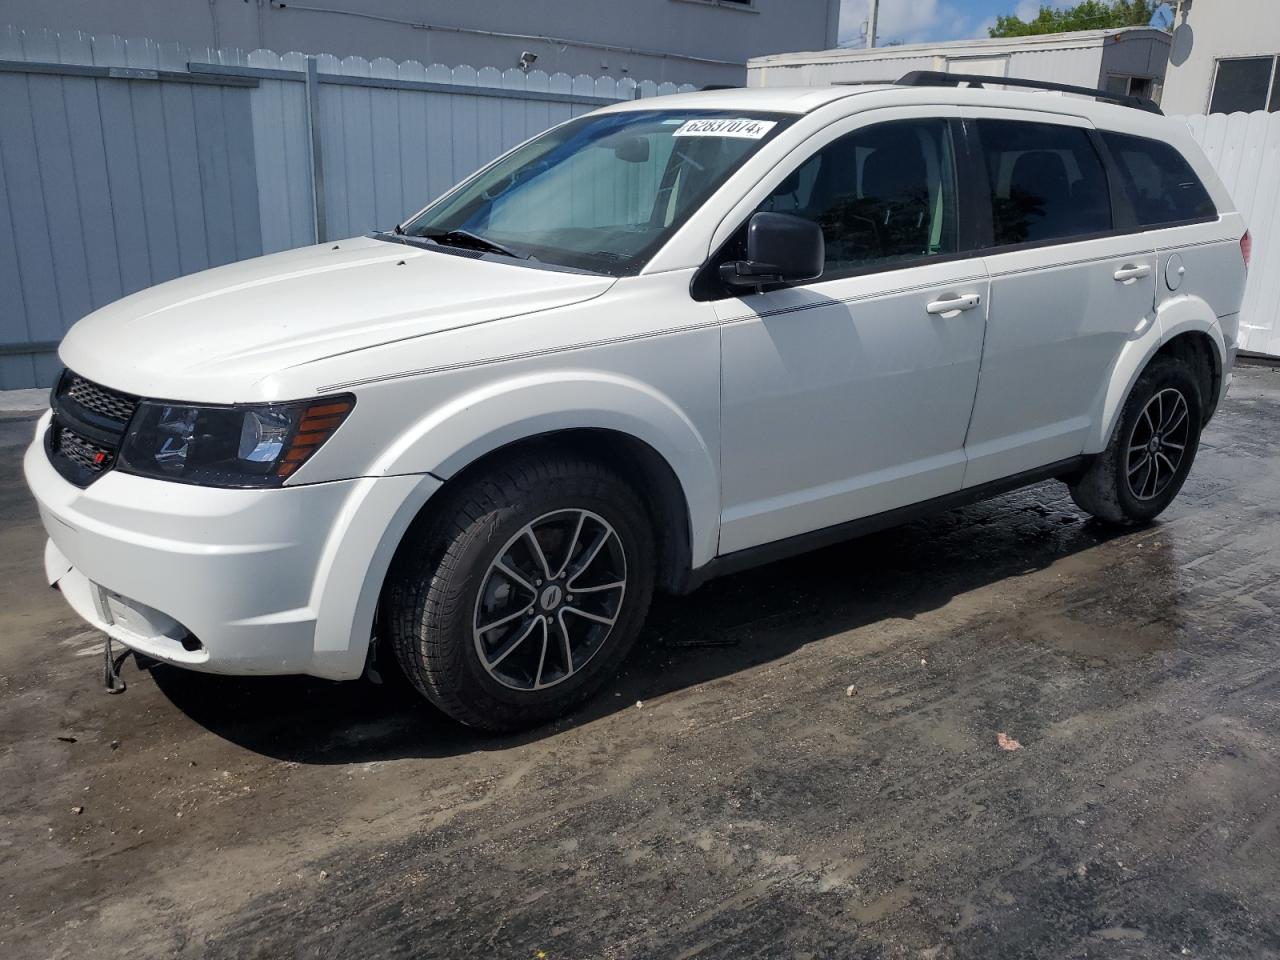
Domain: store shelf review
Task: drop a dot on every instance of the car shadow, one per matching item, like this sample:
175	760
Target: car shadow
728	626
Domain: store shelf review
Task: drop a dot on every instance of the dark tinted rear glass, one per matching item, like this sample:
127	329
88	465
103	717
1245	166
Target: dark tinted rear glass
1047	182
1161	184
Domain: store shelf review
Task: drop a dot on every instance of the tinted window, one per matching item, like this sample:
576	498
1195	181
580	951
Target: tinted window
882	195
1241	85
1047	182
1161	184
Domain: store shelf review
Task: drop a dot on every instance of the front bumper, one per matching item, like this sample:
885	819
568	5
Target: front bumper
279	581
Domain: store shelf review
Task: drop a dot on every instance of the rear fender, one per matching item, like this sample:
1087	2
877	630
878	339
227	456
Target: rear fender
1175	316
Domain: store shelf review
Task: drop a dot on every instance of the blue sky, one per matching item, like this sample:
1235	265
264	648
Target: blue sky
918	21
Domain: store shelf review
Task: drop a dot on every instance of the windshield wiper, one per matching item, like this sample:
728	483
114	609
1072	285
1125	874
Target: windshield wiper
465	238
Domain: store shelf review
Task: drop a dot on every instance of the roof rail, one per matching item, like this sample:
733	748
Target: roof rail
936	78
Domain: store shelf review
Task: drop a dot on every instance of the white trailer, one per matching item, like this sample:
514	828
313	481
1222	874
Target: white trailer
1127	60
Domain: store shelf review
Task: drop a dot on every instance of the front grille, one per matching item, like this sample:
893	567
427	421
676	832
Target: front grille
81	451
89	422
106	403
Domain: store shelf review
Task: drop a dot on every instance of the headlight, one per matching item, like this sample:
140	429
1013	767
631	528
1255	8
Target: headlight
242	446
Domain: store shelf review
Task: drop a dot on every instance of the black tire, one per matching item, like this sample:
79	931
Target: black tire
1105	489
436	582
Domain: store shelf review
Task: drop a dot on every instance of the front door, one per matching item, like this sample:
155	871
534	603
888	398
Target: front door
851	395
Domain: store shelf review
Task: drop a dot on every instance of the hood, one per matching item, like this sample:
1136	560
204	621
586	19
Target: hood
212	336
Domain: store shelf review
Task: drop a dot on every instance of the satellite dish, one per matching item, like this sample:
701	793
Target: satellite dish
1184	39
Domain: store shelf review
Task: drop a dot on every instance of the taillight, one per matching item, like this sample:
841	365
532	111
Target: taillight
1246	248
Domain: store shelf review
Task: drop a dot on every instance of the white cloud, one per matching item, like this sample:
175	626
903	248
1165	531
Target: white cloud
1027	10
919	21
910	21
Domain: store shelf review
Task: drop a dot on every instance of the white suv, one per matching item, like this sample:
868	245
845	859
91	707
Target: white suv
658	343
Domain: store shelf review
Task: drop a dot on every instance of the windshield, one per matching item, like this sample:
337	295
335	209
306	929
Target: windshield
600	193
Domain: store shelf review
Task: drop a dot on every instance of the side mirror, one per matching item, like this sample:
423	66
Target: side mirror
781	248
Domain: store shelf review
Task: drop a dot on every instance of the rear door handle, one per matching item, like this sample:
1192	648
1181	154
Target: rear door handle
1132	271
965	301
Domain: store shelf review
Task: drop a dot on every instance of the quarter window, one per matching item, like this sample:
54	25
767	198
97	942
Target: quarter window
1047	182
1161	184
882	195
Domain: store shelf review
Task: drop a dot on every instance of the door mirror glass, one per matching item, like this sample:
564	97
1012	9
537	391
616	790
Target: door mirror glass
781	248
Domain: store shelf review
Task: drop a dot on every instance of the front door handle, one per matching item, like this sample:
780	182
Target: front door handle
1132	271
947	305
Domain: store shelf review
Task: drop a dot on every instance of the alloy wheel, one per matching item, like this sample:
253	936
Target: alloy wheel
549	600
1157	444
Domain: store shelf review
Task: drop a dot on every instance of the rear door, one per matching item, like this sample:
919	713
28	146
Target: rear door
1199	255
1067	291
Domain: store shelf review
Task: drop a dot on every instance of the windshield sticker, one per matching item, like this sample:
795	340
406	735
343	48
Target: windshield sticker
741	128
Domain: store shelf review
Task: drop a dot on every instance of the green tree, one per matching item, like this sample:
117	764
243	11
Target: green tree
1087	15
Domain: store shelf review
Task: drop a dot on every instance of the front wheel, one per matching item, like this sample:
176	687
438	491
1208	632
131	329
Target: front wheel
526	594
1151	448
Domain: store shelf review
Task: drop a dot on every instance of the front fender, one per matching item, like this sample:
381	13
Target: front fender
460	431
1175	316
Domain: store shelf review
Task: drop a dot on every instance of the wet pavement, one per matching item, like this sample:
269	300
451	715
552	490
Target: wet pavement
800	761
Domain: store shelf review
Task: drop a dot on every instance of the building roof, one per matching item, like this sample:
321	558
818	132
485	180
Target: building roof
991	45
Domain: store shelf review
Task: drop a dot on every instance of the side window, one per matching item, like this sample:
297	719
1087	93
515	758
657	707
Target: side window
1161	184
1047	182
882	195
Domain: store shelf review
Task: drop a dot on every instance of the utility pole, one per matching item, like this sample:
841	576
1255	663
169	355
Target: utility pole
872	15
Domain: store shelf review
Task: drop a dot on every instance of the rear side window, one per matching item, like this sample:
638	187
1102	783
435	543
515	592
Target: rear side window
1047	182
1161	184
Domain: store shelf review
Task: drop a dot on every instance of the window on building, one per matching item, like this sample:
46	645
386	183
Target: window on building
1047	182
883	194
1142	87
1246	84
1133	86
1161	184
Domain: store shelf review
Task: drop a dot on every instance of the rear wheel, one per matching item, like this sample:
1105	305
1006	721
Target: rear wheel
526	594
1151	449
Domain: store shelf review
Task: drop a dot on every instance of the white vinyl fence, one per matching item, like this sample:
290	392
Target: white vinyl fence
124	163
1245	150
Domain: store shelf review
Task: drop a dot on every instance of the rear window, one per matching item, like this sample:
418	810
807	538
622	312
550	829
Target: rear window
1161	184
1047	182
